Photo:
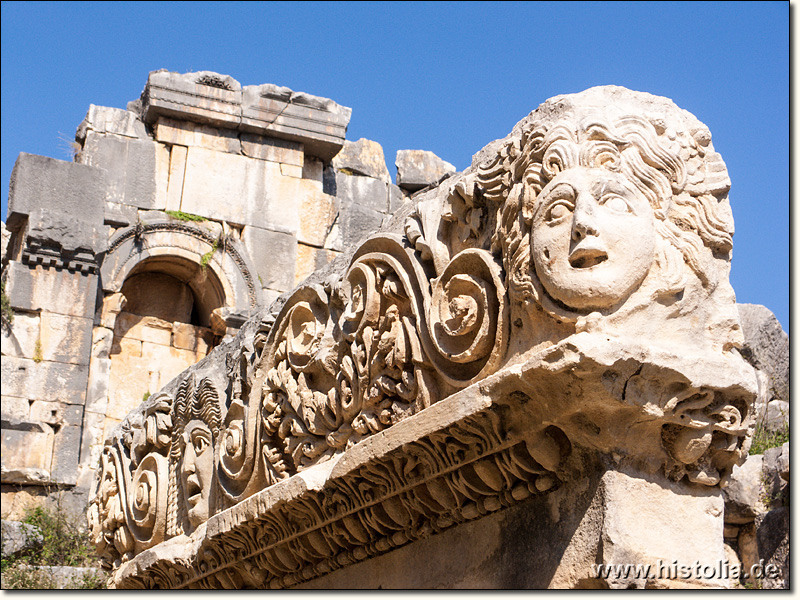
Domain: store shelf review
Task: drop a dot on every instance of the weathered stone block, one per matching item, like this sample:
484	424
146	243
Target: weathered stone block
65	338
417	169
119	215
766	347
744	492
777	415
97	389
186	133
20	338
187	97
66	452
130	165
117	121
309	259
313	169
15	408
364	191
19	536
363	157
58	291
396	198
272	252
292	171
27	449
191	337
358	222
272	149
318	213
145	329
44	380
318	123
175	177
65	232
38	182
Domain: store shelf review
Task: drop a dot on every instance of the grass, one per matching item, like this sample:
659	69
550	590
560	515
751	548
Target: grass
5	305
183	216
37	351
64	543
206	258
764	439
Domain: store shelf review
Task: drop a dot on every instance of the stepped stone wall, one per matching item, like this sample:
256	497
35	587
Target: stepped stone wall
179	217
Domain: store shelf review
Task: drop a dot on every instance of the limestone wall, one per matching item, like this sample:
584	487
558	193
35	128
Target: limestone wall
179	217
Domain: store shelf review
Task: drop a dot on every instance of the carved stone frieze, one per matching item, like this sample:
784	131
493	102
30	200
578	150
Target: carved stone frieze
563	302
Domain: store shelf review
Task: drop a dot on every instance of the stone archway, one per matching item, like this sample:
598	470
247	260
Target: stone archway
171	292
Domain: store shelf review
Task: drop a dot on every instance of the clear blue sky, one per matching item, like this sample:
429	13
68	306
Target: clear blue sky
446	77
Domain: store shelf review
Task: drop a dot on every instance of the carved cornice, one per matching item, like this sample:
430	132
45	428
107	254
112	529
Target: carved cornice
450	372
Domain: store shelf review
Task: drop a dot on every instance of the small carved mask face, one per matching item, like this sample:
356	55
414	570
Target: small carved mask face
593	238
197	469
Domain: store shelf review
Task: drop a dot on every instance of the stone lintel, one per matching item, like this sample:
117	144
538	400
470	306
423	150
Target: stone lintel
268	110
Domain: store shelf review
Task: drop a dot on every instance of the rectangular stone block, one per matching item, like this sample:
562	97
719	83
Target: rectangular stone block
97	388
240	190
313	169
119	215
318	123
53	290
65	338
292	171
92	440
176	96
190	337
27	450
318	213
175	178
272	149
309	259
56	414
145	329
186	133
358	222
126	346
38	181
396	198
14	407
117	121
130	165
274	254
364	191
19	339
66	452
44	380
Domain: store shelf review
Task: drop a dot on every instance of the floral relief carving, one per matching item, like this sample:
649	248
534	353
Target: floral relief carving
564	295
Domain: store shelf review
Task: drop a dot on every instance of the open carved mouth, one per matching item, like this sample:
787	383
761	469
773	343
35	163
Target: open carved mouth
193	491
585	258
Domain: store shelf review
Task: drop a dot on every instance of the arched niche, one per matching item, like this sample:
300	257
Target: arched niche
192	253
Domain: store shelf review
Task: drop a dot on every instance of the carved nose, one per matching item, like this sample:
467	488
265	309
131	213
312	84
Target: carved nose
583	220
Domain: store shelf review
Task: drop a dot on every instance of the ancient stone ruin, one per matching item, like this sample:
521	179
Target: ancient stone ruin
532	370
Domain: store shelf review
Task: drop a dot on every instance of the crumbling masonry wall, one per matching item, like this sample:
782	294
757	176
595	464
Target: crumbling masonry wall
179	217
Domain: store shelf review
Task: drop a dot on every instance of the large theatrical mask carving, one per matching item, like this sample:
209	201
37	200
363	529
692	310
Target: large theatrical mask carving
593	238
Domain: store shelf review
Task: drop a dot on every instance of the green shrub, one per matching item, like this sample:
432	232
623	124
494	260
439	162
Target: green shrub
763	439
64	543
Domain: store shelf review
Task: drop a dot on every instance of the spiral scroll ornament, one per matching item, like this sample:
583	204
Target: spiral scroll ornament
147	501
467	317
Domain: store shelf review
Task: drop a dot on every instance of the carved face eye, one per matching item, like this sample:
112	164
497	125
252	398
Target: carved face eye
200	440
558	211
615	203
